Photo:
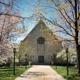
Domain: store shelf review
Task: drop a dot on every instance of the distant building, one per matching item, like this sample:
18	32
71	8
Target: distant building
44	43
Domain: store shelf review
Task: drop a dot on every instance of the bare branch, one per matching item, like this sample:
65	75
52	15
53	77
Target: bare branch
71	3
68	15
4	3
7	14
55	23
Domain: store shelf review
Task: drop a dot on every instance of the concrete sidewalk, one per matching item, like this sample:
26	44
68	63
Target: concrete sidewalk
40	72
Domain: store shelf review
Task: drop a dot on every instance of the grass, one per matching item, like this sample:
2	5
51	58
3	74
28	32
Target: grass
63	71
6	73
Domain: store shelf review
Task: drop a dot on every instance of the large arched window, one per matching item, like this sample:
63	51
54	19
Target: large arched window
41	40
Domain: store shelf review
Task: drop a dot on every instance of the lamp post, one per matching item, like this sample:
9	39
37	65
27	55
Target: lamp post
55	60
14	51
25	60
67	59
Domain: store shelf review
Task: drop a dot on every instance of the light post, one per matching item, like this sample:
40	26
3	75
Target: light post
67	59
14	51
55	60
66	44
25	60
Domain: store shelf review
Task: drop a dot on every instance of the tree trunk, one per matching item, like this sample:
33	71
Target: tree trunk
76	37
78	58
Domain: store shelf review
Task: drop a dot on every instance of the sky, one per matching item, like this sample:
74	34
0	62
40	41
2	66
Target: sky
29	9
32	10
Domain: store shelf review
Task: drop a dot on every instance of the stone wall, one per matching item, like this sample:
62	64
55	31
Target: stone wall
50	47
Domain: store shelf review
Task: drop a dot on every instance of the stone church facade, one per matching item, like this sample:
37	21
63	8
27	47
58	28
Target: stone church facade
44	43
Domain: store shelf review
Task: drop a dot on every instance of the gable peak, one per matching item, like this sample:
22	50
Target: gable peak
41	22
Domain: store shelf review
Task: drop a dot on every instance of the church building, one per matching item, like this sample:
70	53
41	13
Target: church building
43	44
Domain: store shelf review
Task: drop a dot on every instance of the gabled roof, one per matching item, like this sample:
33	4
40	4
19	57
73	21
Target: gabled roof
38	25
40	22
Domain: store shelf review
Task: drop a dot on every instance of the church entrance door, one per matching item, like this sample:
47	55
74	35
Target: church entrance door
40	59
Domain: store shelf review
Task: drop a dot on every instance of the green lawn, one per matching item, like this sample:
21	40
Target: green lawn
63	71
7	73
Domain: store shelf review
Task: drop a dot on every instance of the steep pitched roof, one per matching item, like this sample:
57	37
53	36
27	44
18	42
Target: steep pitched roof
38	25
40	22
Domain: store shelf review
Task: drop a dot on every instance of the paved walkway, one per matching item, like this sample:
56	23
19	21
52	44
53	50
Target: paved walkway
40	72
